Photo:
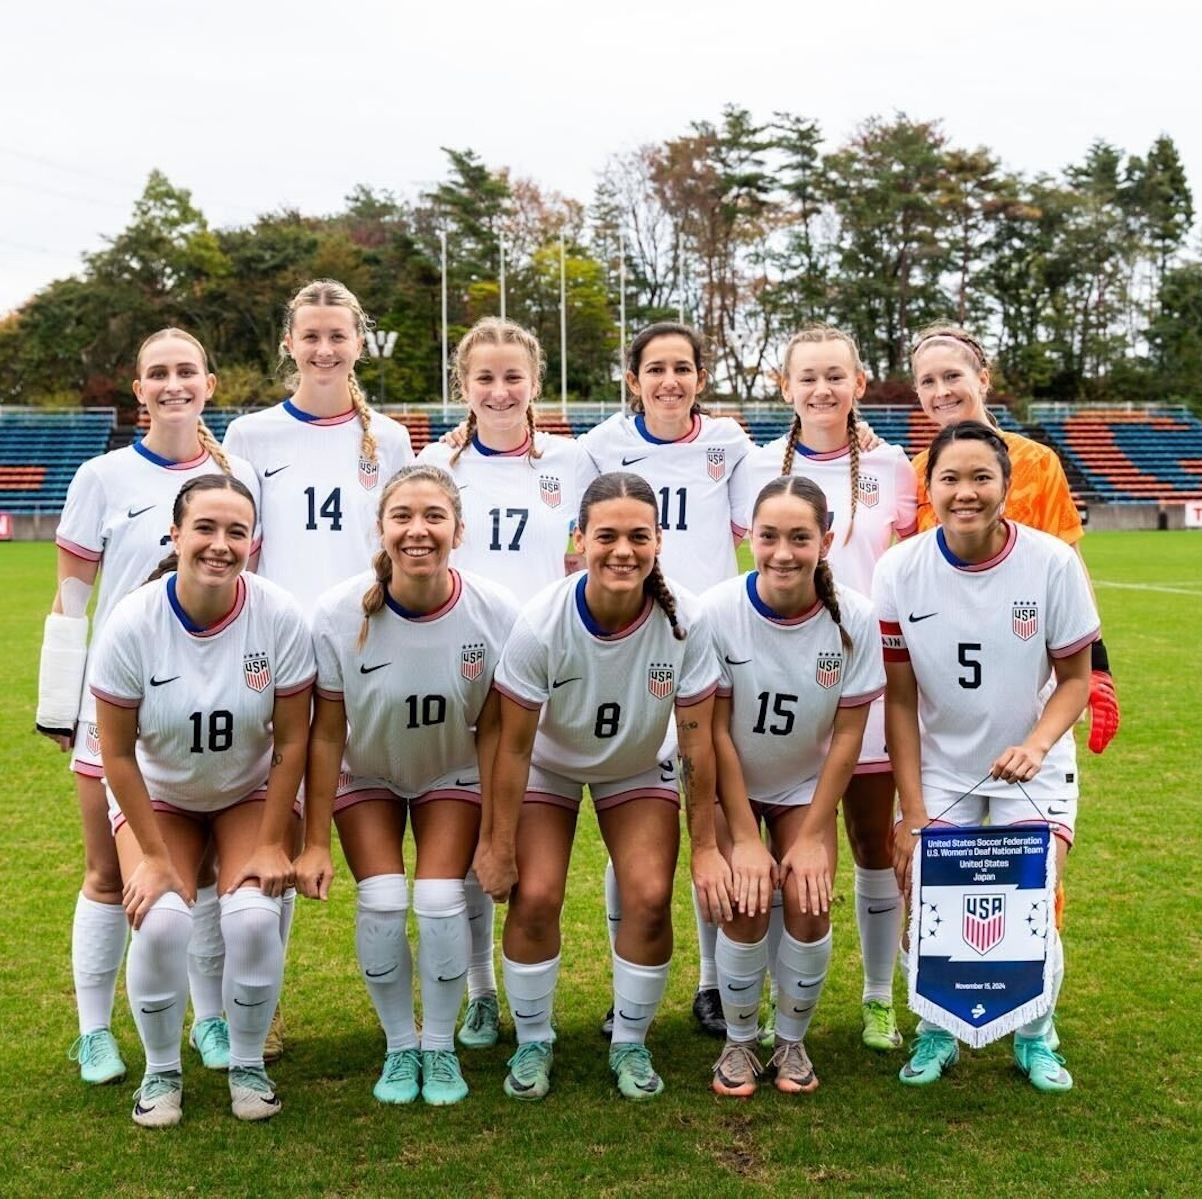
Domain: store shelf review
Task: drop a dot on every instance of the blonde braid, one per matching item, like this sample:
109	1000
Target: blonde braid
824	585
786	467
656	586
530	424
373	597
468	433
359	403
853	447
209	443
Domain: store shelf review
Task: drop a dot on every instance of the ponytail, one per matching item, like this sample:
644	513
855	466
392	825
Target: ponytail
373	597
165	567
468	434
656	586
786	466
210	444
853	449
824	585
363	412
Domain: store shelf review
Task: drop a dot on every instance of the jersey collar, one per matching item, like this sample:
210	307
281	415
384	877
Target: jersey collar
422	617
640	424
589	621
169	463
771	613
190	626
309	418
486	452
822	455
989	563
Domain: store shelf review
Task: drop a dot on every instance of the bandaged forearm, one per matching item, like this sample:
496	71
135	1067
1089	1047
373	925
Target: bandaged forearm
60	678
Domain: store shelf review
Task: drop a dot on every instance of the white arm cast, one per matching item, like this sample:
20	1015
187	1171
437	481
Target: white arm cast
64	656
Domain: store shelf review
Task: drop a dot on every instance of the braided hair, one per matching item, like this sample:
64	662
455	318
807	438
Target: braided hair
618	484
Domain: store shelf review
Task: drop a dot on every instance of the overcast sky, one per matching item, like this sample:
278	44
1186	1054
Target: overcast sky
254	106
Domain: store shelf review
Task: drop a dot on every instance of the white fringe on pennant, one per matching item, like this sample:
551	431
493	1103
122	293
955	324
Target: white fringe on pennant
977	1036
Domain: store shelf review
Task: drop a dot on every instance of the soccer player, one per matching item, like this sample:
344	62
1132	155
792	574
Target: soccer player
951	376
320	457
520	491
115	524
870	494
975	616
800	664
202	680
589	679
405	656
690	460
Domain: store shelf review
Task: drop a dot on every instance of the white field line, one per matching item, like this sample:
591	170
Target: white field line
1196	591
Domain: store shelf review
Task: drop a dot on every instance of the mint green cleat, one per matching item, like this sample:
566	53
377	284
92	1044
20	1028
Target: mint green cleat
1042	1065
98	1057
529	1074
442	1080
932	1053
636	1077
880	1025
481	1023
211	1039
252	1093
398	1080
159	1101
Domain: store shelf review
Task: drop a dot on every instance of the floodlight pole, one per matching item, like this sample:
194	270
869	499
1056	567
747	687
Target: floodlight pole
446	399
502	245
563	328
622	319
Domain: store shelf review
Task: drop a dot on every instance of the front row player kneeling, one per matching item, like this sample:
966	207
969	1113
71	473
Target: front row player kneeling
800	664
972	613
594	670
202	679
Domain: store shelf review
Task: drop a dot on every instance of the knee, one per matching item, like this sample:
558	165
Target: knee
535	907
807	927
167	927
647	901
255	918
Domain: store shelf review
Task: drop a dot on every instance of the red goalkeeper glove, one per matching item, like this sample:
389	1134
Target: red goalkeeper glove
1103	710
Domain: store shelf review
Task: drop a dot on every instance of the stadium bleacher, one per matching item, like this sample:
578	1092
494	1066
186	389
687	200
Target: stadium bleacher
41	451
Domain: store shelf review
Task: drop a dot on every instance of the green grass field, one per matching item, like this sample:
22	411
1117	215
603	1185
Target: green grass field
1128	1018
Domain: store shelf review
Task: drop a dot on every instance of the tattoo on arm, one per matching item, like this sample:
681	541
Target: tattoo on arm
689	725
276	758
686	774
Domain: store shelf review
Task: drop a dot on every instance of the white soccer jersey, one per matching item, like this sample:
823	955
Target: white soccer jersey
980	639
886	500
413	693
607	699
787	679
319	493
692	479
517	512
204	697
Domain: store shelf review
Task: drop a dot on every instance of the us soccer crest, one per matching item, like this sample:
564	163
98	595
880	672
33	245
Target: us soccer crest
369	474
1025	620
549	490
91	740
256	669
715	464
471	661
829	670
868	491
660	679
984	922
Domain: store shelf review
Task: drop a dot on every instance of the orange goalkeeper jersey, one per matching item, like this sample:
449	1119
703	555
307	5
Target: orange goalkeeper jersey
1039	495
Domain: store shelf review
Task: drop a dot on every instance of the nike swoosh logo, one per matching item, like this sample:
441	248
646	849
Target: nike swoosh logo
805	986
466	782
560	682
801	1011
632	461
370	669
632	1019
926	616
268	473
454	979
744	987
378	973
1057	811
527	1015
736	661
138	511
241	1004
143	1111
748	1015
877	911
151	1011
162	682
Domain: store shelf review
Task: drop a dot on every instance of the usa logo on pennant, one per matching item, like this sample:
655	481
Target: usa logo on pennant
369	474
984	921
1025	620
869	491
91	740
829	670
715	464
549	490
660	679
471	661
256	669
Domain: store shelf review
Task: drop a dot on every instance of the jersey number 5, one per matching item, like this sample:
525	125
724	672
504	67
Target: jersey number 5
972	680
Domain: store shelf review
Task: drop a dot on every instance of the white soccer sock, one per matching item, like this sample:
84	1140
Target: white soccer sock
287	912
776	926
157	980
707	938
384	956
254	969
1043	1026
98	936
613	903
442	954
481	918
741	968
206	955
637	994
530	989
879	911
801	968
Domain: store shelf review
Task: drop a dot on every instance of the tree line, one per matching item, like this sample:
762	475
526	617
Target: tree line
1082	284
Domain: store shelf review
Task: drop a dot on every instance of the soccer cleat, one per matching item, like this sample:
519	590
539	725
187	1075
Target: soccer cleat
273	1047
442	1080
635	1075
933	1052
529	1074
98	1057
159	1101
1042	1065
607	1025
736	1071
707	1008
880	1025
794	1070
211	1039
481	1023
252	1093
398	1081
